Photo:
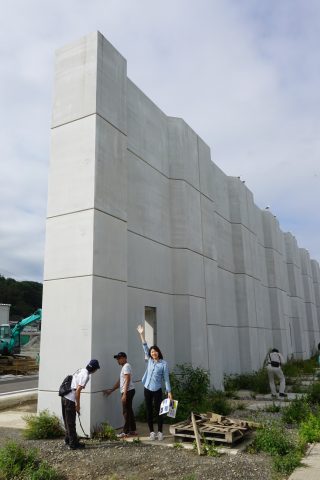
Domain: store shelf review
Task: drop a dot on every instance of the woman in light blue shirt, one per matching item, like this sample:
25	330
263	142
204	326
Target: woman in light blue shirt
156	373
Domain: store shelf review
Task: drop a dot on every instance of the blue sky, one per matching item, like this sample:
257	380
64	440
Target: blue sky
244	74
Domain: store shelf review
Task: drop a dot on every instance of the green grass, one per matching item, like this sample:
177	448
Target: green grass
17	462
309	429
254	381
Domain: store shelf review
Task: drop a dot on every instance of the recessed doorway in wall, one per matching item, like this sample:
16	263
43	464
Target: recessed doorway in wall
150	325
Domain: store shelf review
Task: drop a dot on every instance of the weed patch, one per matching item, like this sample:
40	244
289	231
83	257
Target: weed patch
104	431
44	425
309	430
297	411
16	462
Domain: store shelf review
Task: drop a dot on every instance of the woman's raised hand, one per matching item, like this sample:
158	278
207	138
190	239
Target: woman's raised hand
140	329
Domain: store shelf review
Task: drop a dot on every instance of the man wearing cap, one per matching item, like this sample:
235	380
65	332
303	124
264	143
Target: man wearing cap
127	393
71	403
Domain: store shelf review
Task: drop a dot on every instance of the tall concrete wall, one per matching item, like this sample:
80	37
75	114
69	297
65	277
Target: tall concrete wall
139	215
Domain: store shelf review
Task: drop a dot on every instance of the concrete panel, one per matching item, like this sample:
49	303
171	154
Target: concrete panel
206	170
227	305
245	300
147	129
109	336
67	314
208	228
186	228
111	174
249	349
190	331
182	329
111	85
221	192
148	201
198	333
149	264
110	247
295	281
212	288
305	262
188	273
238	201
69	245
72	167
75	80
183	152
223	353
244	250
262	306
224	243
272	233
275	268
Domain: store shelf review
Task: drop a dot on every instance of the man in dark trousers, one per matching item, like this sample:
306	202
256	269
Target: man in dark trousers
127	393
71	403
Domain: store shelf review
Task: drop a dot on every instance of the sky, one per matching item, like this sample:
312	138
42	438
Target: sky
244	74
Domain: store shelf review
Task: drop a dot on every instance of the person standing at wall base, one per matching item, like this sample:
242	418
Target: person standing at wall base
157	372
274	361
127	393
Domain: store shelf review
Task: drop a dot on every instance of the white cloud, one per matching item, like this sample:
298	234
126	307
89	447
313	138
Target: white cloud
244	75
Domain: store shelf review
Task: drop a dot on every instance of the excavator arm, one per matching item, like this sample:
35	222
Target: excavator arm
8	347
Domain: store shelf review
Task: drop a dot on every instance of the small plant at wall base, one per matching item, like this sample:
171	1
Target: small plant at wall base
254	381
191	386
44	425
104	431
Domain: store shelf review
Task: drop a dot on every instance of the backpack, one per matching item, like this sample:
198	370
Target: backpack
65	386
274	363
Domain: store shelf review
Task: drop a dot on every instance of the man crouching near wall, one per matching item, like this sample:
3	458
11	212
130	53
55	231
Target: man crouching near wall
71	403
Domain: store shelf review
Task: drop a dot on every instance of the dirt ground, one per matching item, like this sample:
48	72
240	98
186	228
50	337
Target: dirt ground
121	460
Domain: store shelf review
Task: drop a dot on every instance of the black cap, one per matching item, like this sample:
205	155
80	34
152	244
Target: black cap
120	355
93	364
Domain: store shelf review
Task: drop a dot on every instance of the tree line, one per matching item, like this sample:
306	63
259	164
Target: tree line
24	296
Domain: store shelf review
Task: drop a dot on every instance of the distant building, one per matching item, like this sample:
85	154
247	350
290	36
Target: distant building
4	312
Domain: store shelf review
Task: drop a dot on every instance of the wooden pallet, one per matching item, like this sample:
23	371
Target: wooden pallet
212	429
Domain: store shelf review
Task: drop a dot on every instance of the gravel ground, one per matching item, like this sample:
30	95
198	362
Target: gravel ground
122	460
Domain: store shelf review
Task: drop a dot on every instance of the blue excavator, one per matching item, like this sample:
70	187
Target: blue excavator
10	339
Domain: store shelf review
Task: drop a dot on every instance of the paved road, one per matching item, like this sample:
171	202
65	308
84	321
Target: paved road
14	384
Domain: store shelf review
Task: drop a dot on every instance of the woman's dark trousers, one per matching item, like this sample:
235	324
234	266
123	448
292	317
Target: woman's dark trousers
156	399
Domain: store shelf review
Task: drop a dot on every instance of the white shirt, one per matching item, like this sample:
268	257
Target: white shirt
126	369
275	357
81	377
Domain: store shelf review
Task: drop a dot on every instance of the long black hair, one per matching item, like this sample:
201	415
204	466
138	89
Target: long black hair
157	349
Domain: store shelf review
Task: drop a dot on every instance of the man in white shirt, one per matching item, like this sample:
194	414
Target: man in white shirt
274	361
70	403
127	390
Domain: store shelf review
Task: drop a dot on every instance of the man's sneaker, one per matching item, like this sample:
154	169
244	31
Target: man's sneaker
122	435
160	436
78	446
283	395
133	434
152	436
